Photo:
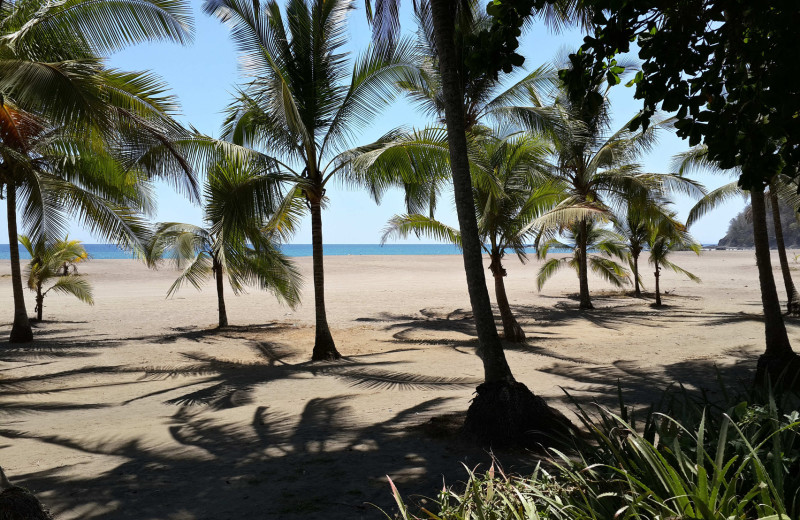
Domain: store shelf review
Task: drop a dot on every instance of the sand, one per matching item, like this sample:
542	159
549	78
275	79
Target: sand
138	408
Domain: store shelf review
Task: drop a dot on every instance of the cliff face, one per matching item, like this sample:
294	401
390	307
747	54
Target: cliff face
740	229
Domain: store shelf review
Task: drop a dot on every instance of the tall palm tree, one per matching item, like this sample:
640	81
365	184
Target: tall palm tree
609	244
53	80
236	242
305	103
47	264
504	410
510	194
61	174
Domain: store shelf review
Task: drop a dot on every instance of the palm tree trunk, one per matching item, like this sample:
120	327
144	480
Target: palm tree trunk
503	411
638	291
793	299
778	355
21	329
324	347
223	314
490	349
583	266
511	329
658	286
39	302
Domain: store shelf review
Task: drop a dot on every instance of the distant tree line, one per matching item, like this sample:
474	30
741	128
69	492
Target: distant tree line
740	229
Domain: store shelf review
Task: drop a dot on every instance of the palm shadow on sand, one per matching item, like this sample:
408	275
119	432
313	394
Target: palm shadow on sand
324	463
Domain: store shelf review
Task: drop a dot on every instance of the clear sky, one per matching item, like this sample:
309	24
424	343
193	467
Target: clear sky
203	74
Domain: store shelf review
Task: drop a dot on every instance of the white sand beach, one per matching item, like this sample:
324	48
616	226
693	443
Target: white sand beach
137	407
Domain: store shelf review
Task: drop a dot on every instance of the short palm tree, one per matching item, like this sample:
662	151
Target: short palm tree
58	173
306	103
668	235
607	243
45	270
635	223
509	196
237	242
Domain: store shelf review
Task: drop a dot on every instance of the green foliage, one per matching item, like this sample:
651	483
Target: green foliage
687	458
239	239
510	189
607	243
49	269
733	91
740	229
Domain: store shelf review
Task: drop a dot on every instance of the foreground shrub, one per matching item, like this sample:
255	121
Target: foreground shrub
694	459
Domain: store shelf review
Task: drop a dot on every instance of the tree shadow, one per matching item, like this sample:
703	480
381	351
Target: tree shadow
320	465
644	384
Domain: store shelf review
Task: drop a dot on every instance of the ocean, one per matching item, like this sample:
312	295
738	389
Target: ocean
112	252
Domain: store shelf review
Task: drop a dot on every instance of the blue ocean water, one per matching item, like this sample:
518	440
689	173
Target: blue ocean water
111	252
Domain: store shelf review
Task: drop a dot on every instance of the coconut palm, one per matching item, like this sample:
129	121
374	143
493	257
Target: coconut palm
306	103
59	174
53	82
668	235
779	353
600	168
606	242
490	413
635	223
237	242
509	196
47	265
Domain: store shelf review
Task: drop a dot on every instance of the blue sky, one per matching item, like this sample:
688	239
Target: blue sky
203	74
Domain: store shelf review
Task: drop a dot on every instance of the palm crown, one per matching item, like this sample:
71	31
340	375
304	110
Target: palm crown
236	242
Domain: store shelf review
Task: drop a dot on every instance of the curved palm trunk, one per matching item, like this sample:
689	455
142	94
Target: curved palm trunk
223	315
324	347
778	356
637	291
511	328
793	299
503	411
658	286
21	331
583	267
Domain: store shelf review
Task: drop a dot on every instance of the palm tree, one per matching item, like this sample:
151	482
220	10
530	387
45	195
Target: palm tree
609	244
634	227
667	235
300	110
600	169
47	264
509	196
59	173
53	82
504	410
635	223
237	241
